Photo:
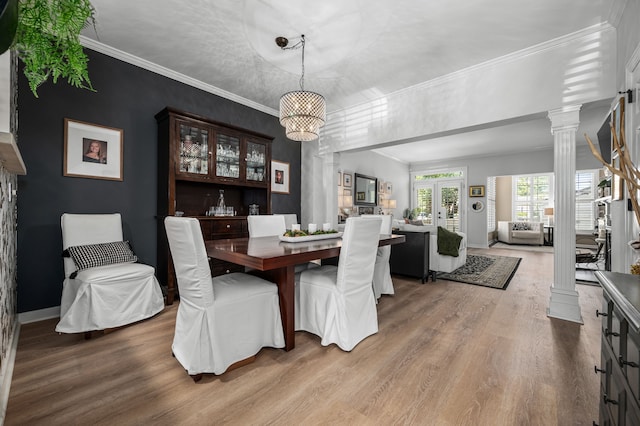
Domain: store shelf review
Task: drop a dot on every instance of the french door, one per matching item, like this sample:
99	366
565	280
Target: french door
438	202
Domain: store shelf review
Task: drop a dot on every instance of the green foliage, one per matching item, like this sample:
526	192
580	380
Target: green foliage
48	41
410	214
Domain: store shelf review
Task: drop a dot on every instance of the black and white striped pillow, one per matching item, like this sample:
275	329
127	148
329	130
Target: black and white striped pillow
91	255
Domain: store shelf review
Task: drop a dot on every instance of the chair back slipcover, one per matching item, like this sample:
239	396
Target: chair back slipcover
265	225
107	296
336	303
220	320
382	283
289	219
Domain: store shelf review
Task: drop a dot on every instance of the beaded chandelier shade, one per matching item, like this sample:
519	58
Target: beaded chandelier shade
302	113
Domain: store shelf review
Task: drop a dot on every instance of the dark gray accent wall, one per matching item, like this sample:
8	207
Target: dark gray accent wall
126	97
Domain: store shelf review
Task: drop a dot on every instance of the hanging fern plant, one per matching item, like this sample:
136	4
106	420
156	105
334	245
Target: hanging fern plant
47	41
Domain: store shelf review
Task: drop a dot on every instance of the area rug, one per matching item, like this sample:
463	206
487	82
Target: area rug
485	270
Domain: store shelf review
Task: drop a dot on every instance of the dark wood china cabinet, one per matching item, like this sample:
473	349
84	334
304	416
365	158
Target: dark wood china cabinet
198	160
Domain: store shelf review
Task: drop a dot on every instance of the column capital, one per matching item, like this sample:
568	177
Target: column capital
565	118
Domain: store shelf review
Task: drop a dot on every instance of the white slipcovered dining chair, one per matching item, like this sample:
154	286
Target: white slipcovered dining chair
289	219
220	320
104	287
266	225
336	302
271	226
382	283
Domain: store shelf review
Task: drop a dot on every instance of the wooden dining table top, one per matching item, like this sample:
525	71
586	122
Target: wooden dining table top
265	253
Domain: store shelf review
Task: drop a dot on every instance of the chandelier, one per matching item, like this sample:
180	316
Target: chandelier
302	113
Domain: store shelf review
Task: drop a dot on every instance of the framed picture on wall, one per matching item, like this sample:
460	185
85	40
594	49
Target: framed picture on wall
388	188
92	151
476	191
381	187
279	177
346	179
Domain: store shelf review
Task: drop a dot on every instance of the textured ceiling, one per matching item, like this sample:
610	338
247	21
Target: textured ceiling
356	50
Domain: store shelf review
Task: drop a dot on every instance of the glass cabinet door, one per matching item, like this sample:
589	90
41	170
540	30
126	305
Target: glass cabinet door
227	156
256	161
194	150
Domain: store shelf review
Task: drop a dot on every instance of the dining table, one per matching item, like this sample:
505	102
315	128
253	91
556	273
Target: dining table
275	261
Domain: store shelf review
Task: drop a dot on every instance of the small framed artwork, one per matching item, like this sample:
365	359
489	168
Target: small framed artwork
279	177
388	188
381	187
346	180
360	196
365	210
380	200
92	151
476	191
339	179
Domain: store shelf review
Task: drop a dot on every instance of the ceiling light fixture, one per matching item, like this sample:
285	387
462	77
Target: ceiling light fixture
302	113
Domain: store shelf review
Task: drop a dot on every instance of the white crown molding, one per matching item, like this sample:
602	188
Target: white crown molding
166	72
158	69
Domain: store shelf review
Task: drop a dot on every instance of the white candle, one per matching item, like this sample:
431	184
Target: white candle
313	228
326	226
295	227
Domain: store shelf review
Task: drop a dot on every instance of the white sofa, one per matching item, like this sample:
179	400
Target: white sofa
512	232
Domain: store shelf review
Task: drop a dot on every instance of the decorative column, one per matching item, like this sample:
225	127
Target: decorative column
564	303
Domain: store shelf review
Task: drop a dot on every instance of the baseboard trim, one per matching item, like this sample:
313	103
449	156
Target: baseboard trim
39	315
7	372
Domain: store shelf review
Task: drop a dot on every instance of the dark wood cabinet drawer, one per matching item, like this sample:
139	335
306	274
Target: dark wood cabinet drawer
228	226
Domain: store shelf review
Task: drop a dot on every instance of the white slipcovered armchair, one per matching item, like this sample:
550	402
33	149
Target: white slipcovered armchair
336	302
221	320
103	286
445	263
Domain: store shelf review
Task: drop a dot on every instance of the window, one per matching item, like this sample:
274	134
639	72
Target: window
531	194
491	204
586	181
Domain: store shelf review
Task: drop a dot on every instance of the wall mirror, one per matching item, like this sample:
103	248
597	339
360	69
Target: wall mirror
366	190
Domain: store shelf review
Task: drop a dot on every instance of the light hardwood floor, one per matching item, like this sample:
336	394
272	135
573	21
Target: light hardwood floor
446	354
